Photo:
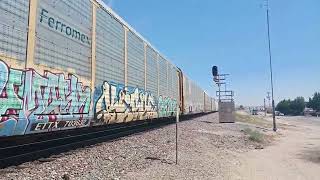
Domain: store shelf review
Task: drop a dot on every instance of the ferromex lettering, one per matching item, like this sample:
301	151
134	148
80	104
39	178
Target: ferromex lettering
62	27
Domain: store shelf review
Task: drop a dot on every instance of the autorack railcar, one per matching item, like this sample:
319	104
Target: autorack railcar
71	64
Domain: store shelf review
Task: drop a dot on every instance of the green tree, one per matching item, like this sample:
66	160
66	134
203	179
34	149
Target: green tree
284	106
288	107
297	106
314	102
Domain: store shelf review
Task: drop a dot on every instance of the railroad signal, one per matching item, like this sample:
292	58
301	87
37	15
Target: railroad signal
226	101
215	74
215	71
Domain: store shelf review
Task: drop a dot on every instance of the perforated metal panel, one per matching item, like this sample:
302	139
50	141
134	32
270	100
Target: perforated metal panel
187	95
110	49
63	35
170	90
163	81
213	104
135	61
197	98
152	71
13	29
194	97
175	83
207	102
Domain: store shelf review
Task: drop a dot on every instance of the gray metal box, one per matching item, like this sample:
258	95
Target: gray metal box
226	112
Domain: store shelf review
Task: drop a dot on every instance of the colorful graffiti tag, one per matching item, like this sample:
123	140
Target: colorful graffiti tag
117	103
30	102
167	106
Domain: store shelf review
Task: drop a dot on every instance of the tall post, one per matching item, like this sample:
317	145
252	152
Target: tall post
264	106
177	121
93	48
31	42
271	73
219	85
145	66
126	56
158	74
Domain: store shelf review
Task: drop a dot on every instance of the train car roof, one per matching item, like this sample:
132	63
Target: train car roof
122	21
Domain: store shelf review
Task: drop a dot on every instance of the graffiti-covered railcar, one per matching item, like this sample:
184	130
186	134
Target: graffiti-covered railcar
70	64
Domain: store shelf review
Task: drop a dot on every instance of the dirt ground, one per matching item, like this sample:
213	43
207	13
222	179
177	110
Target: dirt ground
294	155
207	150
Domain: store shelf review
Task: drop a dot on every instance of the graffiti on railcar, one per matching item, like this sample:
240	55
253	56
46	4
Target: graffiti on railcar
117	103
167	106
32	102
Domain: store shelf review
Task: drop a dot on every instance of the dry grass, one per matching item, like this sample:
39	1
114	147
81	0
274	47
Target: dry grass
255	120
254	135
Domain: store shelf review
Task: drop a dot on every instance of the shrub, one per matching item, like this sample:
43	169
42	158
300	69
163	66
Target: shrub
255	135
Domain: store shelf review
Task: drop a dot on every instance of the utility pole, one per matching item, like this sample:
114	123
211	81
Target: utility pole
271	73
269	98
265	108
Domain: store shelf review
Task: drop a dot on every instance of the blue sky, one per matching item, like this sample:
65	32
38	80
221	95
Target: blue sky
196	34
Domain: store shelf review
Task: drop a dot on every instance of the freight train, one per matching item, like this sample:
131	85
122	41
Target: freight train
72	64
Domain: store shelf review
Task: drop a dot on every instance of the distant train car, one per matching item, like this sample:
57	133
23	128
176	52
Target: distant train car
71	64
207	103
194	98
214	105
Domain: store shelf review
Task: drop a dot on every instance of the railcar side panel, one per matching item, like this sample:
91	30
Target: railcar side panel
109	50
51	91
207	103
194	98
198	98
152	71
72	64
175	83
135	61
166	103
13	32
13	48
187	95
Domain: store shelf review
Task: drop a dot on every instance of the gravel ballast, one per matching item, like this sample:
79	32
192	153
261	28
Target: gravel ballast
207	150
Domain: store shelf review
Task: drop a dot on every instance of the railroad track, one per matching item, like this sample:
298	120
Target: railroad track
44	146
